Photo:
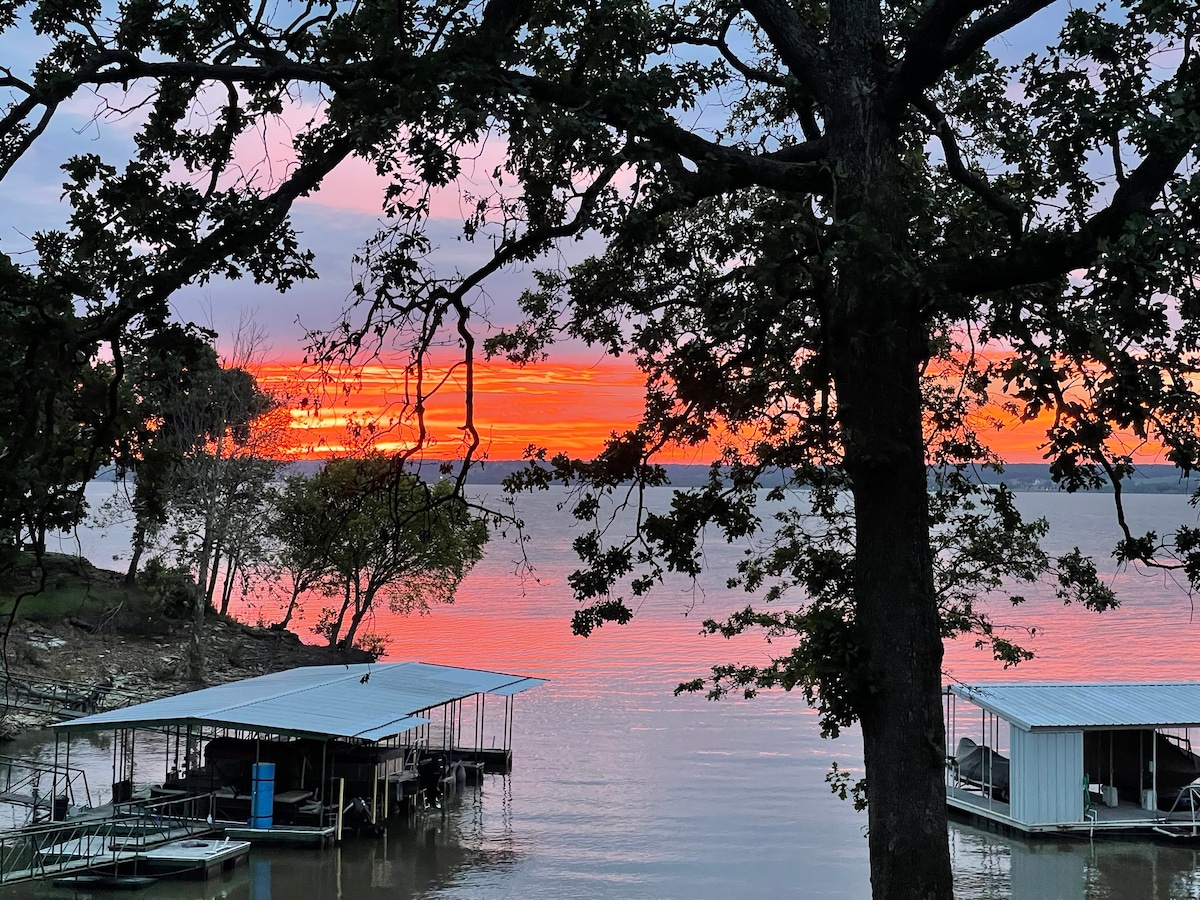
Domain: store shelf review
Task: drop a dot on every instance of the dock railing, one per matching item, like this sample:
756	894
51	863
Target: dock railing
151	822
64	699
93	842
22	785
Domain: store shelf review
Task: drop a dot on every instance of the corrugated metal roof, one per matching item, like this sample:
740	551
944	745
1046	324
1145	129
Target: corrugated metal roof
370	701
1102	705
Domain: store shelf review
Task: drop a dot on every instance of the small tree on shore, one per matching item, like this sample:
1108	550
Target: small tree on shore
375	535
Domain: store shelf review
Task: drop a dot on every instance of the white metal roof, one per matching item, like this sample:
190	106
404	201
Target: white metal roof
371	701
1072	706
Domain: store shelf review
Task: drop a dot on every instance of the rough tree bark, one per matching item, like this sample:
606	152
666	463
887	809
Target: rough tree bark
878	344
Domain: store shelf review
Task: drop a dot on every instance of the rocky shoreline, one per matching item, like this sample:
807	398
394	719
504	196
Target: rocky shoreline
93	668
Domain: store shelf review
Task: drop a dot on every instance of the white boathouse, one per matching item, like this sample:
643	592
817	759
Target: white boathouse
1080	758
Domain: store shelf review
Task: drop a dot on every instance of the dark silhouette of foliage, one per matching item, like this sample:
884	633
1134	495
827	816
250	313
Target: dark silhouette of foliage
835	236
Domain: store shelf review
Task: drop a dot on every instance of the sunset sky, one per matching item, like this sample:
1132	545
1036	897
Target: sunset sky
567	407
571	403
570	407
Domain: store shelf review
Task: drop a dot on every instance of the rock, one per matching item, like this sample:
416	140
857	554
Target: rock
47	642
133	666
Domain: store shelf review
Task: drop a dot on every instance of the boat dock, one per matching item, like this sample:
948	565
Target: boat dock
119	838
1076	759
297	757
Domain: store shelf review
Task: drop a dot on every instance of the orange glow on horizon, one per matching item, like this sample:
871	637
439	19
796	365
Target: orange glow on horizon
564	406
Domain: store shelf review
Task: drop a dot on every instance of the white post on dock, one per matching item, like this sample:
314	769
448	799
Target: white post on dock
387	792
375	796
341	800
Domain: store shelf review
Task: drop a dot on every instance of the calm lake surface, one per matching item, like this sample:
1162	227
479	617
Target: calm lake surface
622	790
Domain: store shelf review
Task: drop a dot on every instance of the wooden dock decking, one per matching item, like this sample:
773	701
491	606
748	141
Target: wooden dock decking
295	835
193	858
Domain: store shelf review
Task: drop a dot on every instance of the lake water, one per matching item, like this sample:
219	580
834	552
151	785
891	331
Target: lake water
622	790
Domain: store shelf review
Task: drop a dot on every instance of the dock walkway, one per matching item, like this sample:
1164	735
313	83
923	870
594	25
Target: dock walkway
93	842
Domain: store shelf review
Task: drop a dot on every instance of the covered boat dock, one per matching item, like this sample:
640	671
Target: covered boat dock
298	755
1076	758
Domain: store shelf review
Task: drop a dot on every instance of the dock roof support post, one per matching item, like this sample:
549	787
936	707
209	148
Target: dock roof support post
118	750
323	787
54	780
1111	772
341	799
508	720
1154	766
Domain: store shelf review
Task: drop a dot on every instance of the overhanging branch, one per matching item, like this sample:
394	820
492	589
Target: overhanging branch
932	49
972	181
1054	254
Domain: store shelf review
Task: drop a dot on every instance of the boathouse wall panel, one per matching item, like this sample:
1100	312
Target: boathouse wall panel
1046	776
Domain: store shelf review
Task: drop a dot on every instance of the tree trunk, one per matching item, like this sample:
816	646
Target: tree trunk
896	611
878	344
214	571
897	615
362	604
207	540
336	628
195	659
291	607
232	565
138	548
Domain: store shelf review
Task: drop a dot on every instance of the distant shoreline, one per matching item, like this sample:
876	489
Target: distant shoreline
1019	477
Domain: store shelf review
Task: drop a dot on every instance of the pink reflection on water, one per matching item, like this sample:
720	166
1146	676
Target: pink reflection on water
1154	635
503	622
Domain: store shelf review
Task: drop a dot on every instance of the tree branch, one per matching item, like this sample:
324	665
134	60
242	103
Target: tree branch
932	48
1054	254
220	244
721	43
972	181
797	47
790	169
921	63
984	29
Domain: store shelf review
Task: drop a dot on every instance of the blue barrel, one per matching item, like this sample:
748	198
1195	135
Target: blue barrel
262	795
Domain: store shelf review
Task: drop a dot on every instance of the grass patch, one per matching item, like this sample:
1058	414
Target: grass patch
71	587
73	600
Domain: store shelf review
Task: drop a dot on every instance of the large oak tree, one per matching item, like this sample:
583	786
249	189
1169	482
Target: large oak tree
834	231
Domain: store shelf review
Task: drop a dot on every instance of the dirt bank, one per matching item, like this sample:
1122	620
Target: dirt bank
116	654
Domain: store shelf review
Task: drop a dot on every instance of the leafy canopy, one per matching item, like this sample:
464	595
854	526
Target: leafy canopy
835	234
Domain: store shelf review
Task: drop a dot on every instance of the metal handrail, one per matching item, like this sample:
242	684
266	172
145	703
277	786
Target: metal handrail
82	844
27	789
